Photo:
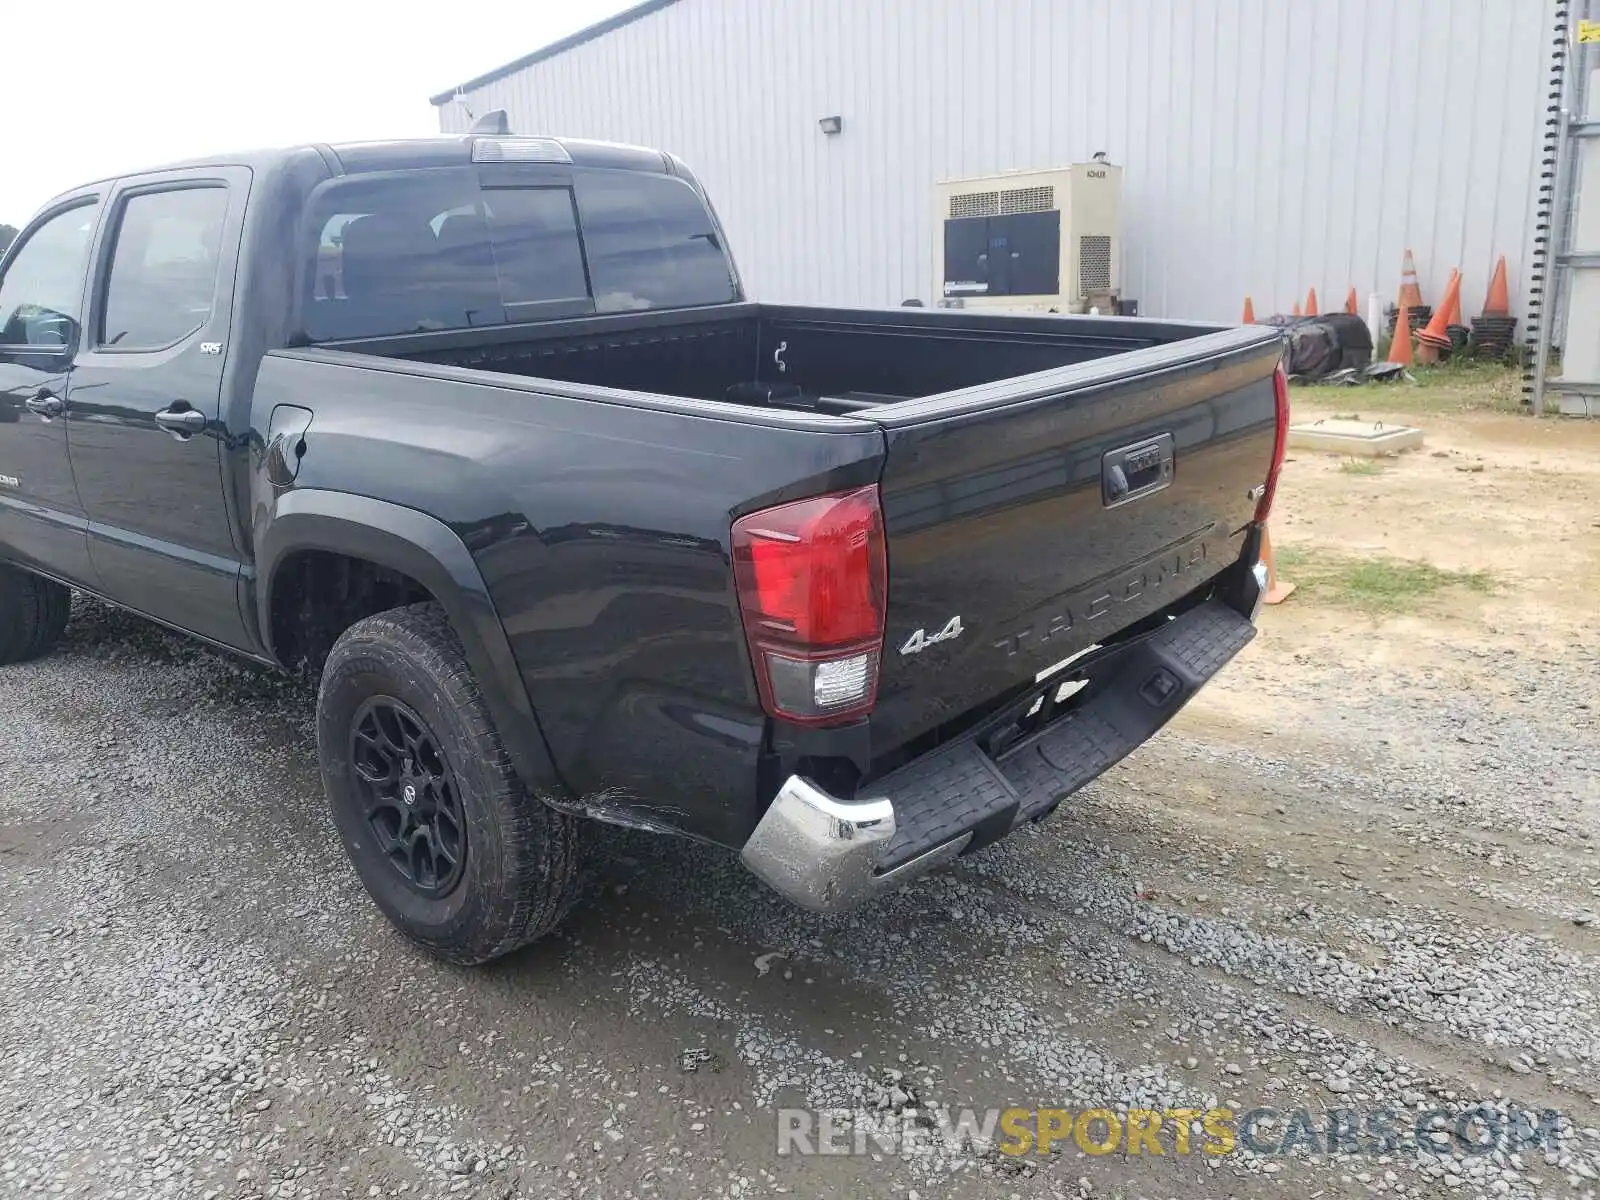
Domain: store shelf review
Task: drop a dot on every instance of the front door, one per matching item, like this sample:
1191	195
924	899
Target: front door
42	523
144	396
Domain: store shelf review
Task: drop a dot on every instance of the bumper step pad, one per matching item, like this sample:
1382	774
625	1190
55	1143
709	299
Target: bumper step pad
959	788
941	796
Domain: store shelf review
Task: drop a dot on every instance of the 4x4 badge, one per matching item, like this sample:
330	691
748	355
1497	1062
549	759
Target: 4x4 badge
921	639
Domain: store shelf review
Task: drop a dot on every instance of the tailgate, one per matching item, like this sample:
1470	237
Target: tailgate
1030	519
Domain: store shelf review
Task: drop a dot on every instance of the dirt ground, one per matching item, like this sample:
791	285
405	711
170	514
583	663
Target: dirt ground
1491	490
1359	871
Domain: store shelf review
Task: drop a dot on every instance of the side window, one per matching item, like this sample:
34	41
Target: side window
164	268
41	291
651	243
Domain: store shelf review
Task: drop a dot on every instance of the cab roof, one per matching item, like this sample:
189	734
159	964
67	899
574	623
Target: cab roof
446	150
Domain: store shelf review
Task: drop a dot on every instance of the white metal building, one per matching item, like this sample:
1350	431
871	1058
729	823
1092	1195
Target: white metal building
1268	146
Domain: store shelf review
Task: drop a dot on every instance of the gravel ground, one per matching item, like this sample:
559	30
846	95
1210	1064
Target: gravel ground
1325	886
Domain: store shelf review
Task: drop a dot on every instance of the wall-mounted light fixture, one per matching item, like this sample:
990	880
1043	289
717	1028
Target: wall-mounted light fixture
831	125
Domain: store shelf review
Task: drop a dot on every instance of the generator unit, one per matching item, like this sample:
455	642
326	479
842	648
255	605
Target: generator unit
1031	241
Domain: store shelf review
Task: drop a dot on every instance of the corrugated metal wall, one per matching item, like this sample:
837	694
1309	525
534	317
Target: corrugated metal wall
1269	145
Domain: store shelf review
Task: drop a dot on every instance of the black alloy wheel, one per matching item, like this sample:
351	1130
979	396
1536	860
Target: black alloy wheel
448	840
413	802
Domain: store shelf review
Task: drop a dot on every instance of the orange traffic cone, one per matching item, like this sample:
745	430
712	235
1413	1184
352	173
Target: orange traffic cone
1277	590
1434	341
1249	317
1351	304
1453	314
1295	311
1498	303
1410	289
1311	303
1400	347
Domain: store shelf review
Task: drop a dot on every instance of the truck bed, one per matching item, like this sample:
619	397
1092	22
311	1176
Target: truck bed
834	360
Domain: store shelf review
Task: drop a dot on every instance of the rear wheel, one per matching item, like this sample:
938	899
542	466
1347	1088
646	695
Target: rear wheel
450	845
33	615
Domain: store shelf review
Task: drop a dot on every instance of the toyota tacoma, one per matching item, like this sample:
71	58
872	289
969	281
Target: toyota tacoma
483	433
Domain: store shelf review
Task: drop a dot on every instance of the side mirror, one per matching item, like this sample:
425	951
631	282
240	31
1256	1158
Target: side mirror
48	330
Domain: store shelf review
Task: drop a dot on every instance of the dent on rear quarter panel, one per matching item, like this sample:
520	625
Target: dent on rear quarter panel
619	605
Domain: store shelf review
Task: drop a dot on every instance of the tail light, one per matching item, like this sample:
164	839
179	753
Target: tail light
1280	442
812	578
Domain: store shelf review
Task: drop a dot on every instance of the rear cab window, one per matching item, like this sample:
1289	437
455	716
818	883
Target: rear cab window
412	252
650	243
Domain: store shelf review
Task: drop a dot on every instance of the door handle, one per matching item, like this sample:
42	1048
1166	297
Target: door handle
45	403
182	421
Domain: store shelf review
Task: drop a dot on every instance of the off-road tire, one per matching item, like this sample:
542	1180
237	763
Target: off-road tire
33	615
521	874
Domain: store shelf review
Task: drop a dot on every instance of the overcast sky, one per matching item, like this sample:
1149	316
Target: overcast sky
124	86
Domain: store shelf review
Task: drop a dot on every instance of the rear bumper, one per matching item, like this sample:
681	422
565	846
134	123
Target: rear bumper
1261	579
825	854
828	854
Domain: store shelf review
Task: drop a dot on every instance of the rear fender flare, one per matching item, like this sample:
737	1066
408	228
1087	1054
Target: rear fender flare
424	548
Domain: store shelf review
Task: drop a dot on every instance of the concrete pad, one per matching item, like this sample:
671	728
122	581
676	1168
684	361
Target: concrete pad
1367	439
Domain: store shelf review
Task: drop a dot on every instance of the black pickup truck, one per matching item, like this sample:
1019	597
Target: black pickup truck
483	433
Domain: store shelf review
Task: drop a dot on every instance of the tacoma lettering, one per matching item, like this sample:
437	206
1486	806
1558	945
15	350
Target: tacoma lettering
1150	579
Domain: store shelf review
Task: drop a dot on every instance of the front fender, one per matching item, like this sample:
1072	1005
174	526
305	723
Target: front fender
424	548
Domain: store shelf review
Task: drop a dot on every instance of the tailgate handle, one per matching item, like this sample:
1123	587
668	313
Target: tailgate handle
1130	472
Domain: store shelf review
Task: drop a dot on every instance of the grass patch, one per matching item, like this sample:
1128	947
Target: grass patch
1460	385
1383	585
1361	466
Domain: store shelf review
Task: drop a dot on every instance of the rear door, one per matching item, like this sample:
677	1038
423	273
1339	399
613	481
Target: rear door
142	403
1030	519
42	522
